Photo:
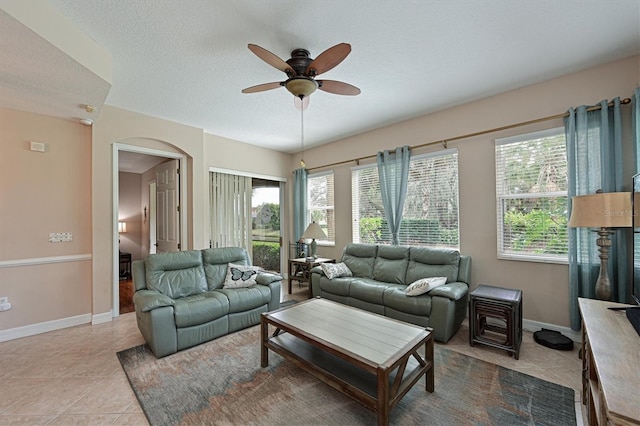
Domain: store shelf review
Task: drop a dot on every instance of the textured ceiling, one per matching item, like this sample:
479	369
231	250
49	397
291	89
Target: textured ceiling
187	61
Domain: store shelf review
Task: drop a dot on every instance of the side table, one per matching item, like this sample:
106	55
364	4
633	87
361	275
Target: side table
125	259
299	269
504	306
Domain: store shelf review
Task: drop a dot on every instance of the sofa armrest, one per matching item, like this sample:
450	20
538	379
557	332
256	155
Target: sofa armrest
317	270
147	300
454	291
266	278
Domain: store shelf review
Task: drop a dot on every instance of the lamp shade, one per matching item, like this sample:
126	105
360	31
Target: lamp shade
601	210
314	232
122	227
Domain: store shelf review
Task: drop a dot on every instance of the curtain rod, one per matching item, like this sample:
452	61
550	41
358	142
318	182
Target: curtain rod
625	101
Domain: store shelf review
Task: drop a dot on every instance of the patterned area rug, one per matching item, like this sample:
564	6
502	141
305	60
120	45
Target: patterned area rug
221	383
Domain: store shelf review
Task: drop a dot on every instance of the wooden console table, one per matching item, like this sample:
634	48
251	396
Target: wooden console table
610	367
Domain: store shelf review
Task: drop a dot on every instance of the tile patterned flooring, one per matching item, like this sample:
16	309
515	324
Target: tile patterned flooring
73	377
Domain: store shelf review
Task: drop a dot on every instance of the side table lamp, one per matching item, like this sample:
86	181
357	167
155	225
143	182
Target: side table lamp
602	210
312	232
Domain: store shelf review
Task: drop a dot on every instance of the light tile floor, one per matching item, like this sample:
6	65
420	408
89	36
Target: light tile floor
73	377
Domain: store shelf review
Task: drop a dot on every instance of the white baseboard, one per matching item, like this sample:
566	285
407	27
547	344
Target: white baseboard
533	326
43	327
101	318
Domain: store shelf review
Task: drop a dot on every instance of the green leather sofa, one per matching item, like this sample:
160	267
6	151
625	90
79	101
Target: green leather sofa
382	272
180	300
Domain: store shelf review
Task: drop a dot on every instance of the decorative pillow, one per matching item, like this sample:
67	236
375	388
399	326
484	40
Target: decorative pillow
241	276
424	285
336	270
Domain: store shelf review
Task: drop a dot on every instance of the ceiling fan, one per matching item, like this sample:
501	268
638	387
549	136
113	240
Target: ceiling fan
302	70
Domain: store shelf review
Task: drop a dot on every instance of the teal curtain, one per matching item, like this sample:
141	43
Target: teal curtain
393	172
635	124
594	157
299	203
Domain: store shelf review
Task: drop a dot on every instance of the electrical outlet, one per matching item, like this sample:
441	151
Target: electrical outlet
4	299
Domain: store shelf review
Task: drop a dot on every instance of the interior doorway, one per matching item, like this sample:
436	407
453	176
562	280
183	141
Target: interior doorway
135	201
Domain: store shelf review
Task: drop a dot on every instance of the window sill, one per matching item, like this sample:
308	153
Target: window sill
535	259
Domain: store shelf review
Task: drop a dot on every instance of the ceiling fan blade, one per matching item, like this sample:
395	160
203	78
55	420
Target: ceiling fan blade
338	87
328	59
271	59
262	87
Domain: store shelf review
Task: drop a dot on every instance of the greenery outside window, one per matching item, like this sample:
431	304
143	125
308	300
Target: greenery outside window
430	214
531	189
320	204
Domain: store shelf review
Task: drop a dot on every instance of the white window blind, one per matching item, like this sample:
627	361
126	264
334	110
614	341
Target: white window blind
531	193
320	203
430	214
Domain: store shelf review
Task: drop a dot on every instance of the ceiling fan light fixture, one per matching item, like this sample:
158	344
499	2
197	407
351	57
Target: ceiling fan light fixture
301	86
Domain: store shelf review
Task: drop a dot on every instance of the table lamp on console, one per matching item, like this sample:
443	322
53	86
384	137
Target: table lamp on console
314	232
604	211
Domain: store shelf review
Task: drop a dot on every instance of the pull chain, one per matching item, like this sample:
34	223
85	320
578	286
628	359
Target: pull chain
302	163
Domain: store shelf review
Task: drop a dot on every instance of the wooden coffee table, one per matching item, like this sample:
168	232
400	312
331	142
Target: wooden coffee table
368	357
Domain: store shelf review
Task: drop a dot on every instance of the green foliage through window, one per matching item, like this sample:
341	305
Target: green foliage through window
531	188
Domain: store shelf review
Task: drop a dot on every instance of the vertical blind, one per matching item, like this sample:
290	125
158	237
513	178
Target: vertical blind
231	211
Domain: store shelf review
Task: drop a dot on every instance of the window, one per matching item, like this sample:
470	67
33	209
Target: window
320	203
531	189
430	215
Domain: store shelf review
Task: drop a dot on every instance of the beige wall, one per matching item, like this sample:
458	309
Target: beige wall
545	285
69	189
43	193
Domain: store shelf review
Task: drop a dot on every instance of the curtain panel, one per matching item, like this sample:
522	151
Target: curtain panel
231	211
393	173
594	157
299	203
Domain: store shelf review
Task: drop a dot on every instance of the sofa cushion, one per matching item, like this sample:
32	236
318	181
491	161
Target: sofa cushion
368	290
336	270
432	262
176	274
360	258
246	298
424	285
200	308
241	276
215	262
394	297
390	265
339	286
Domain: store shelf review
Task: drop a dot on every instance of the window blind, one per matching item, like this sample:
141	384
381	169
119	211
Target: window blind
320	202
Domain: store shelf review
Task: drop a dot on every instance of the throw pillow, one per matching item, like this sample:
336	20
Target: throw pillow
424	285
241	276
336	270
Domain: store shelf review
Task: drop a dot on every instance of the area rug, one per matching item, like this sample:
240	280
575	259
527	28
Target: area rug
221	383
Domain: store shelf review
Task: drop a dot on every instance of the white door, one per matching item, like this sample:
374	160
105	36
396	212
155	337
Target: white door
153	241
167	208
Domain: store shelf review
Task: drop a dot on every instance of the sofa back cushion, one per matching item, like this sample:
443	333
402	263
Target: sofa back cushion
360	258
176	274
391	263
432	262
216	261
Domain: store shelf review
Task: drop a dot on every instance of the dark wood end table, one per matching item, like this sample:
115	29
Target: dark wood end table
299	269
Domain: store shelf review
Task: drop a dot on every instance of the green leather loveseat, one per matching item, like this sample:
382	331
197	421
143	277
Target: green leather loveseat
180	300
381	273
